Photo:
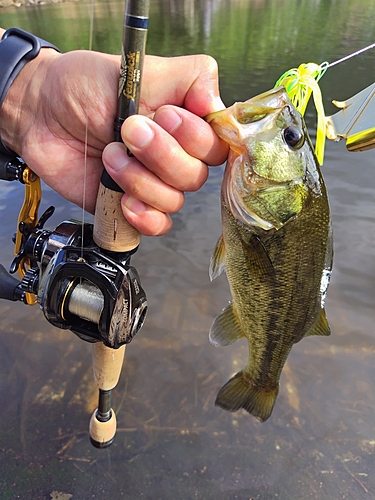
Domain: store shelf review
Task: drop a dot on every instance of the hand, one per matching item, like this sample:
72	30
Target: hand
57	99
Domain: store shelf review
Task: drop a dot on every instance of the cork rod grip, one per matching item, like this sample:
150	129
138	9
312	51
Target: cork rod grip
111	230
107	365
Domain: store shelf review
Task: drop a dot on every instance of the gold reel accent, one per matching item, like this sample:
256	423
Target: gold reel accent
29	216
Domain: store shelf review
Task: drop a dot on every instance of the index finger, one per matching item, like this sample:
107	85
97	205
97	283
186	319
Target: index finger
193	134
190	82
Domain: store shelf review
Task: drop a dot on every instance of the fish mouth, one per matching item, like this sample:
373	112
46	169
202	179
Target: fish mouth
275	98
243	119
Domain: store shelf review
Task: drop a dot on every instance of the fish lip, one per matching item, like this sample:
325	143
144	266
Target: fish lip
227	123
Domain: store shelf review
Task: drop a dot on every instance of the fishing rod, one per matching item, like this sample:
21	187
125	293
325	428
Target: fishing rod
112	232
79	273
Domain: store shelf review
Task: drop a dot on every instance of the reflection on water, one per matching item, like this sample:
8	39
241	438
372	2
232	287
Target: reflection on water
172	442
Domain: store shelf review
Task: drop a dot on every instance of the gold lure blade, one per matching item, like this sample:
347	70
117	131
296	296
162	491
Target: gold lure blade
355	121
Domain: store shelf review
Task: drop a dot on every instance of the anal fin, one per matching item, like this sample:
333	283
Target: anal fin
321	326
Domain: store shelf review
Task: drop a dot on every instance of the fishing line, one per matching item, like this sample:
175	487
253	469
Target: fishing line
329	65
91	30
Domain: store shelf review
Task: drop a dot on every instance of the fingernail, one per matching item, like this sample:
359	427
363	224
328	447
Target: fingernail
115	156
169	119
133	205
137	133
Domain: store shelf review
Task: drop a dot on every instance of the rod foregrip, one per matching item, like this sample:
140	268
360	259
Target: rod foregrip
111	230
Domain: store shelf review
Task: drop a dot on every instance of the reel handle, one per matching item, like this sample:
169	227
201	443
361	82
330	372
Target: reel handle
9	286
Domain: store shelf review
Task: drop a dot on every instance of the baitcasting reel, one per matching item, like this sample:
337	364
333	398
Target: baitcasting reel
97	295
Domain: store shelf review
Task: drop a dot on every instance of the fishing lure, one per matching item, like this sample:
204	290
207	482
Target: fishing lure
300	83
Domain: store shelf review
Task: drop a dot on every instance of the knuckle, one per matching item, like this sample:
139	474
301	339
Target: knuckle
157	224
138	184
197	181
207	63
178	203
138	180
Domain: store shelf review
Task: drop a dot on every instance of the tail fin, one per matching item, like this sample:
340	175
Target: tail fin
239	393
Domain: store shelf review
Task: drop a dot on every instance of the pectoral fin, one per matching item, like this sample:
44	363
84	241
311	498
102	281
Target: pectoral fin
320	327
217	263
226	328
258	257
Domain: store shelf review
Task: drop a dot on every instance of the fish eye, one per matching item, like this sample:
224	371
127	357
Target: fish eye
251	118
294	137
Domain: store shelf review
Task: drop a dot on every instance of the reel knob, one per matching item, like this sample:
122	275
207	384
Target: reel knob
30	281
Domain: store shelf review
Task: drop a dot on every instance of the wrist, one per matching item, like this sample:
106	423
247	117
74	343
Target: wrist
22	101
22	72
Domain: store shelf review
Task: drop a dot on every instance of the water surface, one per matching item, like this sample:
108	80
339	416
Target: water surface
172	442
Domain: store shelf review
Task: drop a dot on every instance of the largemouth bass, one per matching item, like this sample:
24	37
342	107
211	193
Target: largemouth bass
276	245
